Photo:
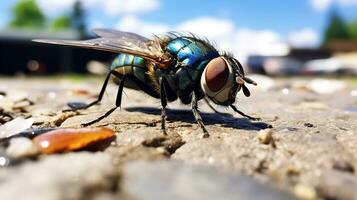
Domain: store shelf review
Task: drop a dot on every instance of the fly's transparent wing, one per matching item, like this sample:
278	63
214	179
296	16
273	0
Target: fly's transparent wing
131	39
118	42
119	34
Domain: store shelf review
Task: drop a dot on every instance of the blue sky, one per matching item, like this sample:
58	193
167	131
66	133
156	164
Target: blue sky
253	26
280	15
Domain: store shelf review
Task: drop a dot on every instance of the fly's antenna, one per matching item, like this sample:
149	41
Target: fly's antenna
249	81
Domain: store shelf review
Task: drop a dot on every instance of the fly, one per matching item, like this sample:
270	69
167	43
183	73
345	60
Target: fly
169	67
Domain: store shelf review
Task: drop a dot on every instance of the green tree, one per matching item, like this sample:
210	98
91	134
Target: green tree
78	19
27	14
61	22
336	29
352	29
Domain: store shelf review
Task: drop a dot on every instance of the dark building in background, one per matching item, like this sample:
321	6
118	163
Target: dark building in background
342	46
19	54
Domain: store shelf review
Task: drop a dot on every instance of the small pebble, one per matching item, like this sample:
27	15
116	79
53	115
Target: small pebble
265	136
292	129
64	140
305	192
309	125
15	126
343	166
5	116
292	170
211	160
59	119
161	150
77	105
4	160
22	148
29	133
80	92
52	95
285	91
21	106
353	93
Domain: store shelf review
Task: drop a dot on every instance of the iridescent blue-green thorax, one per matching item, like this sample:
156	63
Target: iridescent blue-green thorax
190	51
192	56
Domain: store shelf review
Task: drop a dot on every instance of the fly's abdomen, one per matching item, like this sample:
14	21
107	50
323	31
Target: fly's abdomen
127	64
137	70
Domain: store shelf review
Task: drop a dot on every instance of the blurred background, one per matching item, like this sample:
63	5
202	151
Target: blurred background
279	38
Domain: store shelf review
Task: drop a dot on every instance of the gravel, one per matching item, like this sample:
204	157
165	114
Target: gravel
304	146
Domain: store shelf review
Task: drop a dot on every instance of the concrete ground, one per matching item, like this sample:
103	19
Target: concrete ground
304	147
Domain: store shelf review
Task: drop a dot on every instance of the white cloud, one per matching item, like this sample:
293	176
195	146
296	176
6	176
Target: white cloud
133	24
55	7
116	7
220	31
259	42
208	26
322	5
241	42
109	7
305	38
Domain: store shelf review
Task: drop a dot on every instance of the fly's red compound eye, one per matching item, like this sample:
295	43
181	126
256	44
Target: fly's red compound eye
216	74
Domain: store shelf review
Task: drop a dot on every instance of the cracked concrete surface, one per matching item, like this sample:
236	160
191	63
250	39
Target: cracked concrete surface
312	135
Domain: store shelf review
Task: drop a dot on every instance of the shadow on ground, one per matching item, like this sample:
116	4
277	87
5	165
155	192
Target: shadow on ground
223	119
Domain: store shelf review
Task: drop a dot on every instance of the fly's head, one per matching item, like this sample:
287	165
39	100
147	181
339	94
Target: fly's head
223	78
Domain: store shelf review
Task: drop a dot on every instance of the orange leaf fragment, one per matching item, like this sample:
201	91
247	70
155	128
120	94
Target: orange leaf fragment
64	140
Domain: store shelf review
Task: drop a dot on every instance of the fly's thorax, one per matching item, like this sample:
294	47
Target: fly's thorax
218	81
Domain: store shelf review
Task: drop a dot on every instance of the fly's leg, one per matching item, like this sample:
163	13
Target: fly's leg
197	116
163	104
117	103
243	114
100	96
210	106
